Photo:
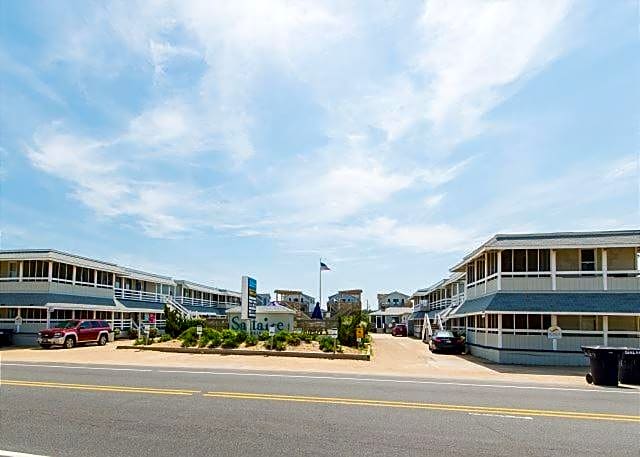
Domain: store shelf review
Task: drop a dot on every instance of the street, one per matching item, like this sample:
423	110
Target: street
74	410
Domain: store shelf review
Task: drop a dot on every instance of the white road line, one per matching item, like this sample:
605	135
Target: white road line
342	378
18	454
505	416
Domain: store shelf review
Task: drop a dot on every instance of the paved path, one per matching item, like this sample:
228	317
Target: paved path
394	356
92	410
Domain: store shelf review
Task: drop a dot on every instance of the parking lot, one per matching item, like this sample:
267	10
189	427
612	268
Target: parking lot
391	356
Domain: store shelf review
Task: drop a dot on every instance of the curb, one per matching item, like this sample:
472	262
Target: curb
308	355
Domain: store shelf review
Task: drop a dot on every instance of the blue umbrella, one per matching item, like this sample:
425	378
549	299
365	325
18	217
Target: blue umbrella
317	312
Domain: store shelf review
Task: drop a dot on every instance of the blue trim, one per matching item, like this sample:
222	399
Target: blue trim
41	299
522	350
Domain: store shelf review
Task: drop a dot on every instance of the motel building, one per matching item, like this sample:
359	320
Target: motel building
41	288
518	286
432	305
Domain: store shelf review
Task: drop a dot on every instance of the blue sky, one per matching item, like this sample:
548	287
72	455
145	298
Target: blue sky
207	140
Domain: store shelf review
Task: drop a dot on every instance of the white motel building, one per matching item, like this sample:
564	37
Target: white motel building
40	288
517	286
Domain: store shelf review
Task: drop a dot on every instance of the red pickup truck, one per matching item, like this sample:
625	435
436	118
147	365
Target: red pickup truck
73	332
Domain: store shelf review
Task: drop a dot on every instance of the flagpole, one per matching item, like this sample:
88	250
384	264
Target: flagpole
320	282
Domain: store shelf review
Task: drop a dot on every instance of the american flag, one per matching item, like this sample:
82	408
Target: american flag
324	267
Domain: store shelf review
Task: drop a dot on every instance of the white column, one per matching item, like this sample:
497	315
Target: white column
95	278
486	270
50	276
73	275
553	270
605	330
554	322
604	270
499	280
49	314
500	330
20	270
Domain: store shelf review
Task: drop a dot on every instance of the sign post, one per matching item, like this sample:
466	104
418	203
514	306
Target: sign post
18	322
554	333
272	334
333	332
249	298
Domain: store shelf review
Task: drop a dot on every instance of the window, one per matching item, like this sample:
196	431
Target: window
492	258
569	322
105	278
521	321
519	260
535	322
34	313
507	260
507	321
544	263
546	321
8	313
84	314
85	324
61	314
62	271
35	269
84	275
470	274
480	269
492	320
620	323
588	260
532	260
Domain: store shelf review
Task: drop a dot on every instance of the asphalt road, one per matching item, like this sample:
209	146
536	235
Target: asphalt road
70	410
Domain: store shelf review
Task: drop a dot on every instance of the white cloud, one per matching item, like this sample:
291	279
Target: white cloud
432	201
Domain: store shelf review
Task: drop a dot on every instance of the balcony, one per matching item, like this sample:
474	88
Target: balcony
128	294
203	302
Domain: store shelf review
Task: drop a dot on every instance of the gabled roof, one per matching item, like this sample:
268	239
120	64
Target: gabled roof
557	240
553	302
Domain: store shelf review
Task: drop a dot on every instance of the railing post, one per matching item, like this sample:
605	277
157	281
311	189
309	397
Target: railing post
605	330
500	331
553	270
604	271
50	277
73	276
20	270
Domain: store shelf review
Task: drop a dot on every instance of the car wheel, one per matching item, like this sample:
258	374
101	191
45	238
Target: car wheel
589	378
69	342
102	340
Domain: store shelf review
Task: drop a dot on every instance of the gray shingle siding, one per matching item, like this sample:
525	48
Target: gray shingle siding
26	299
627	303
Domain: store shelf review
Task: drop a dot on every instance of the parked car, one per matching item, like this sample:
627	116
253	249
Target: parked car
445	340
399	330
73	332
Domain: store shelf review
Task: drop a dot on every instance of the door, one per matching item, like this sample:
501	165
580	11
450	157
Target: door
85	332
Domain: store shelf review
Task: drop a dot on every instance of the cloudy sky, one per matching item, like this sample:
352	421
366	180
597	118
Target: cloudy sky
206	140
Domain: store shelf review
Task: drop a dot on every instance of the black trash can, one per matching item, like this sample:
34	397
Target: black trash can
629	371
604	364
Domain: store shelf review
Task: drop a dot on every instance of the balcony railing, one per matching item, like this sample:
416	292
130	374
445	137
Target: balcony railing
203	302
141	295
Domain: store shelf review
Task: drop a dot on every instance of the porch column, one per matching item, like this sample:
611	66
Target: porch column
20	270
554	322
113	317
553	272
605	330
50	275
49	314
499	280
500	331
486	270
73	275
95	278
604	270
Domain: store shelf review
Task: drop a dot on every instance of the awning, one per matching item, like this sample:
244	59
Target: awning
59	300
553	303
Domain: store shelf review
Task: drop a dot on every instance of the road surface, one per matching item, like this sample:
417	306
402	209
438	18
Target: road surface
74	410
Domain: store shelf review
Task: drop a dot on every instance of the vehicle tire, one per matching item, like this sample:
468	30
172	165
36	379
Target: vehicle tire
69	342
45	346
589	378
102	340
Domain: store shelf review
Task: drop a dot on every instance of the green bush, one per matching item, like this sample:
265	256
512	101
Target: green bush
132	333
153	332
230	343
165	337
293	340
214	338
275	344
241	336
264	336
139	342
282	336
307	337
189	337
251	340
326	343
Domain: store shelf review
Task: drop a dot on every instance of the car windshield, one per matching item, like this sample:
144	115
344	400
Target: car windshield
68	324
445	335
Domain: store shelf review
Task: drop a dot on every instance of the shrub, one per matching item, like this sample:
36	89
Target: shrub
132	333
251	340
326	343
275	344
307	337
293	340
189	337
165	337
228	334
282	336
230	343
139	342
264	336
214	338
153	332
241	336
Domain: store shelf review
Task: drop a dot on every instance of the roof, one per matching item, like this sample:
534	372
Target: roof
205	288
417	315
453	277
206	309
279	309
558	240
553	302
393	311
141	304
39	299
392	293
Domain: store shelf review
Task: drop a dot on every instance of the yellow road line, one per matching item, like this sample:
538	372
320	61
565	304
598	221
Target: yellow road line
428	406
127	389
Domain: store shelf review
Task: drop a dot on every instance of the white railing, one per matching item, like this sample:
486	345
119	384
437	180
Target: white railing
139	295
172	303
203	302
